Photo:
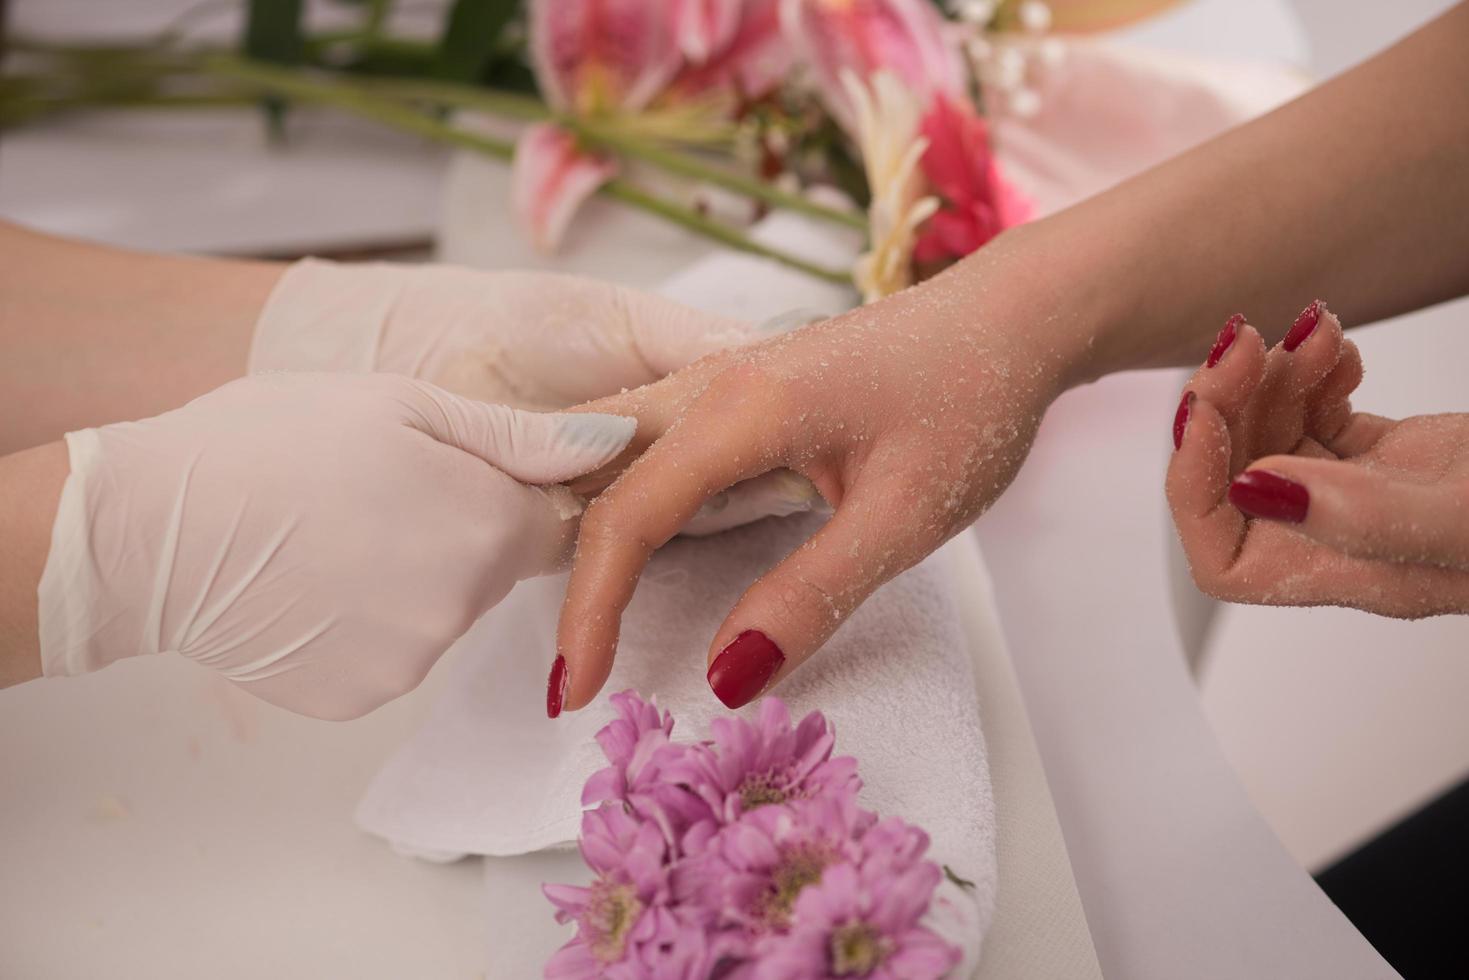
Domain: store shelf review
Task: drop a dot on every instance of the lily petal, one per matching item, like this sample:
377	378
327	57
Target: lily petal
705	27
598	55
550	179
906	37
754	59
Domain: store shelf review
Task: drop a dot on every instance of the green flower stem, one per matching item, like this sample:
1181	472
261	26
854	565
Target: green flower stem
604	134
607	135
631	194
293	85
687	166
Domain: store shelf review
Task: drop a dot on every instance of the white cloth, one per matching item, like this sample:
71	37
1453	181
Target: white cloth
488	774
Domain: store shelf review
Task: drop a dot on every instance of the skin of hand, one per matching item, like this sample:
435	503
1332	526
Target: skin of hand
1282	495
911	415
319	539
907	427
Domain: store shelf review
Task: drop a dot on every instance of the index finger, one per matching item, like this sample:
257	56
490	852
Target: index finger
703	454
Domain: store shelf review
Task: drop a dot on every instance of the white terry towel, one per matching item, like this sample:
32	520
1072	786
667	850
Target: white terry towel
489	774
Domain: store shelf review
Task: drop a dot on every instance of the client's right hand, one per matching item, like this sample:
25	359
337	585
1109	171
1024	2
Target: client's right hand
318	539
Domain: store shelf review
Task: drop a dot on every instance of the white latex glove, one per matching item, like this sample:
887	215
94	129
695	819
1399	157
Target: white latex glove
319	539
537	340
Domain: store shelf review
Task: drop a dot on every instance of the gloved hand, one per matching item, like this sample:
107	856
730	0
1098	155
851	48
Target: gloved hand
319	539
537	340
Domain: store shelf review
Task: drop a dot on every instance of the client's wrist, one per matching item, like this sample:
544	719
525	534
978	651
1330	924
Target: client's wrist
1054	306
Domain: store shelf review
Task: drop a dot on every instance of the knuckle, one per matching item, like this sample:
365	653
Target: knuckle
749	383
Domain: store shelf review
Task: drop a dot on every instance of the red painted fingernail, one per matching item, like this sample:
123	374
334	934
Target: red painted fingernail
1225	339
1261	493
743	668
556	687
1180	418
1305	323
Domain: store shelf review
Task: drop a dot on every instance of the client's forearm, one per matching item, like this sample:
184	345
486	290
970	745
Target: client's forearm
30	486
91	334
1355	192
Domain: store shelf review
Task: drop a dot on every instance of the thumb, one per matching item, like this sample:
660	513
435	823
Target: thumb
532	447
785	617
1361	512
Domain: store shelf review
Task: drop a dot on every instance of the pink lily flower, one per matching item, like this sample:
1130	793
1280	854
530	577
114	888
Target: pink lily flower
751	59
705	26
906	37
591	57
608	57
959	164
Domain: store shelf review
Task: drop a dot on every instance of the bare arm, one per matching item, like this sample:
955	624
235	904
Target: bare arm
912	415
1358	191
91	334
30	484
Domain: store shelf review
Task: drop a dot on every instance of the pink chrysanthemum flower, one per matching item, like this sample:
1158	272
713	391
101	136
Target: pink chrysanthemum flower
862	919
748	766
617	914
749	874
637	745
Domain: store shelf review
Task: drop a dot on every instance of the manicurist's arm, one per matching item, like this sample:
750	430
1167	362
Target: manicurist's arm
30	484
91	334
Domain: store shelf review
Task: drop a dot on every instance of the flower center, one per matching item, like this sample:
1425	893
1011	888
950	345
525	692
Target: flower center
857	949
763	789
609	917
798	867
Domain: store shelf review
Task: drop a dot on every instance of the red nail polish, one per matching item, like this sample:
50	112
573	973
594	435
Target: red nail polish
1180	418
556	687
1225	339
1301	329
743	668
1261	493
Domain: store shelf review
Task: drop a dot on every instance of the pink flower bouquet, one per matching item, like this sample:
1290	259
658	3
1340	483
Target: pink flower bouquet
745	857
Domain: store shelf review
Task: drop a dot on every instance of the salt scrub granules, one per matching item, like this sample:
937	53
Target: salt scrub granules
745	857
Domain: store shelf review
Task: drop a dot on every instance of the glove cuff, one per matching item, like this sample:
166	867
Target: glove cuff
322	316
66	597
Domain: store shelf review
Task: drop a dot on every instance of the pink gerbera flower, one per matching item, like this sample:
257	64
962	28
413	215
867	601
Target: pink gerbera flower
748	766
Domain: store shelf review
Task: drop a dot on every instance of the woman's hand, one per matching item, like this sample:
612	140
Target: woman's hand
536	340
1283	496
319	539
909	416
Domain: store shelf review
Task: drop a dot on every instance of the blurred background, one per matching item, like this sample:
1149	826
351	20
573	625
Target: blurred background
1337	722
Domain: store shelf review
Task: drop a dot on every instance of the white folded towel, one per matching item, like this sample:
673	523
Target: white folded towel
489	774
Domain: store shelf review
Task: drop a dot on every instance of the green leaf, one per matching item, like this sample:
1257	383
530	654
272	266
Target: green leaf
273	33
471	37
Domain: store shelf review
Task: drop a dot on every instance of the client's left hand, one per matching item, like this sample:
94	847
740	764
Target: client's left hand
1283	496
531	340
